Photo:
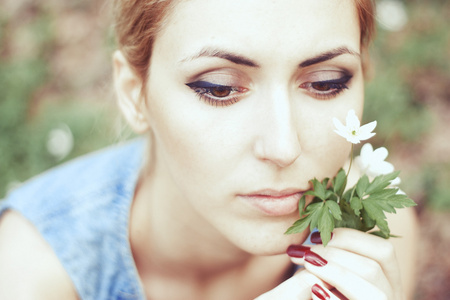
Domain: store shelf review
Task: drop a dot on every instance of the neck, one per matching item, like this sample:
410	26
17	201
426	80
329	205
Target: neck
178	238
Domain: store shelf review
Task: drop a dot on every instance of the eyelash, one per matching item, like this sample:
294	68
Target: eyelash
333	87
205	90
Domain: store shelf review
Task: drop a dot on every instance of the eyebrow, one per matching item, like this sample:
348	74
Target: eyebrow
327	56
234	58
241	60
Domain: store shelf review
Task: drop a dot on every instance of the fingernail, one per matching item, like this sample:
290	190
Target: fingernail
297	251
314	259
319	292
316	239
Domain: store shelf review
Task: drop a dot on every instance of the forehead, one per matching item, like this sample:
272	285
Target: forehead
262	29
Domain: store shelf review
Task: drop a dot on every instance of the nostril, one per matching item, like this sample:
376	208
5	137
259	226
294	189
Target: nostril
282	153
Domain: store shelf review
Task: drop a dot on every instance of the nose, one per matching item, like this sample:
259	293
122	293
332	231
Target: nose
278	140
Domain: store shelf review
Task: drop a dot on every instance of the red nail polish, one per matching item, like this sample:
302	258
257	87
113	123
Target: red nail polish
319	292
314	259
297	251
316	239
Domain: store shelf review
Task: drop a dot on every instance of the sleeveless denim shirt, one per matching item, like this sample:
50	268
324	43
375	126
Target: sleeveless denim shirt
82	210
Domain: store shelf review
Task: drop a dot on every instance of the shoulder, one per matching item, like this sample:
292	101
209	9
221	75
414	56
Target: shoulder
86	172
66	225
28	267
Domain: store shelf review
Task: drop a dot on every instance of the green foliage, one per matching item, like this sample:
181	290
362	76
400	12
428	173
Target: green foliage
25	117
408	96
363	207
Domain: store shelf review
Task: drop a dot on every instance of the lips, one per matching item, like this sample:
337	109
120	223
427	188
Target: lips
274	203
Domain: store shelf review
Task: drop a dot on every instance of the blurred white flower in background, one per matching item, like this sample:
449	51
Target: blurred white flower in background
391	14
60	141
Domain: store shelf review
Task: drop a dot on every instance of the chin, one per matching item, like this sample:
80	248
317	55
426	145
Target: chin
269	242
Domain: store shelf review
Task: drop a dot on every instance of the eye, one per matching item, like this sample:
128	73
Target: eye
217	94
326	89
221	91
321	86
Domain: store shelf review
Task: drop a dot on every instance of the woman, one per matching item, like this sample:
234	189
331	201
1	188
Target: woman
236	100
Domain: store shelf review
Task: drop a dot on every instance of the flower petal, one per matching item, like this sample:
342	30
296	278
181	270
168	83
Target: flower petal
380	154
396	181
362	164
339	126
353	139
365	136
368	128
352	120
381	168
366	150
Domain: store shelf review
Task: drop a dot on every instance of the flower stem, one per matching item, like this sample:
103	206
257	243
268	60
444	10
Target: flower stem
351	161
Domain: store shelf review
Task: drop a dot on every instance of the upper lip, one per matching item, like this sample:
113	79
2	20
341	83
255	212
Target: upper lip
274	192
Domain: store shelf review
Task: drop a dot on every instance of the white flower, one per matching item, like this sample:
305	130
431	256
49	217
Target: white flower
352	131
372	162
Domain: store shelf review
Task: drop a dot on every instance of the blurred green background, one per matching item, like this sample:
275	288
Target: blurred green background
57	102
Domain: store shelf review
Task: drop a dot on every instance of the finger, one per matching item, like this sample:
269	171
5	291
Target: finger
362	266
320	292
297	287
348	283
370	246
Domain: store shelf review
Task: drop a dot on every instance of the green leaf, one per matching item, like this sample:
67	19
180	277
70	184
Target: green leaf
334	209
329	195
356	205
384	194
301	205
347	195
384	227
315	216
387	200
313	206
326	225
362	185
319	189
375	212
400	201
368	222
381	182
340	182
373	209
349	220
380	234
299	225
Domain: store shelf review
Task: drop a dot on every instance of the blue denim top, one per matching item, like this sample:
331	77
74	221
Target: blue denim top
82	210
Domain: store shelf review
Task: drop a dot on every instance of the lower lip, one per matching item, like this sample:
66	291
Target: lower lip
274	206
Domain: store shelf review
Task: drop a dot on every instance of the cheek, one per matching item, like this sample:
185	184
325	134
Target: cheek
195	150
320	144
328	153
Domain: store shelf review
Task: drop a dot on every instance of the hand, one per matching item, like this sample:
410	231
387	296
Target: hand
354	265
297	287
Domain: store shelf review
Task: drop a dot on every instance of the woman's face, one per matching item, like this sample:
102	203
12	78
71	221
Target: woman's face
241	96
